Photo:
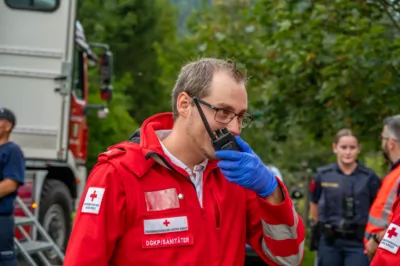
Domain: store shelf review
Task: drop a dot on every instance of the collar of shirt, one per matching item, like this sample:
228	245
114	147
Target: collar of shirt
196	176
197	169
394	165
337	168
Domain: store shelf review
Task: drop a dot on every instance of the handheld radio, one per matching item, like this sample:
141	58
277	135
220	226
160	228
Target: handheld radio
221	139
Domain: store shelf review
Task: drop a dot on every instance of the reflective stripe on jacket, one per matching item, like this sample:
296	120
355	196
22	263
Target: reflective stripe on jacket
380	213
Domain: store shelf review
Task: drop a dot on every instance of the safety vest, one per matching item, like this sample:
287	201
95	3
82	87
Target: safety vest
380	213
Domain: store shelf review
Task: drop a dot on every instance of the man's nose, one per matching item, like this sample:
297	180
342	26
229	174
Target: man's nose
235	126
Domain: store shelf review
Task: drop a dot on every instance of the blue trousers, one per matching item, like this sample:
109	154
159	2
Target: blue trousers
341	252
7	251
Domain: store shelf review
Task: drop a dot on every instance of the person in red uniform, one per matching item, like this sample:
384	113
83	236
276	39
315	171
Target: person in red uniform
167	197
387	252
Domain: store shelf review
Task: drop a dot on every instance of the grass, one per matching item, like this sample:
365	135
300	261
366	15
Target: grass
309	258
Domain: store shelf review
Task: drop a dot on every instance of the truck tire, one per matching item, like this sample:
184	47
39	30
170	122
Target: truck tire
55	213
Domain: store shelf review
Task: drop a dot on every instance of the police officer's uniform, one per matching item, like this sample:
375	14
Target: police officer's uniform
12	166
343	206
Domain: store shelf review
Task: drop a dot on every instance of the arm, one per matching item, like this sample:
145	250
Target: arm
274	230
276	197
97	227
374	185
316	191
381	234
314	212
278	239
387	253
13	172
8	186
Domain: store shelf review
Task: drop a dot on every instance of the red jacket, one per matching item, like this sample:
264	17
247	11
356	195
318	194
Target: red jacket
388	252
139	209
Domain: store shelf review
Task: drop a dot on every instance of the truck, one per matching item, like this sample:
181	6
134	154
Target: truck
44	61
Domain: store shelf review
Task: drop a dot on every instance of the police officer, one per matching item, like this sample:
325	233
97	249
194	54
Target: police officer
342	194
12	168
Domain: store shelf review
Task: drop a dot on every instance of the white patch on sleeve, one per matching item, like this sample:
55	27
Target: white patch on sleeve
93	199
391	240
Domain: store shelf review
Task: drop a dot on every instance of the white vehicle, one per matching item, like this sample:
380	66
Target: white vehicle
43	80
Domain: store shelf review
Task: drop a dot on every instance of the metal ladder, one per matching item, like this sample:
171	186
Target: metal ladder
30	247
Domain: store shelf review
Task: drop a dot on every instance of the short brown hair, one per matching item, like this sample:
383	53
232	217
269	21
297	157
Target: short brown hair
345	132
195	78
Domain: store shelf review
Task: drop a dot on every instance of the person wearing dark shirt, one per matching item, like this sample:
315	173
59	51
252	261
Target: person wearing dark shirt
342	194
12	172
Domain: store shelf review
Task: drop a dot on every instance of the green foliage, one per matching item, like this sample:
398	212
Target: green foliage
309	258
116	127
131	28
315	68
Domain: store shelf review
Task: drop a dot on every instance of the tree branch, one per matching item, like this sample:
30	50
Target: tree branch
386	9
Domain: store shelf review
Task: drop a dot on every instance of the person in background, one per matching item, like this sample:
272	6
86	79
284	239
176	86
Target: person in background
385	213
342	194
168	197
12	173
380	213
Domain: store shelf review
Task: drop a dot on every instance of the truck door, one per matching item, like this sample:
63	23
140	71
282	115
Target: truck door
36	59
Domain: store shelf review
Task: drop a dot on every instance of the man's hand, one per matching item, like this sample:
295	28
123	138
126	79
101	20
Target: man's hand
246	169
371	248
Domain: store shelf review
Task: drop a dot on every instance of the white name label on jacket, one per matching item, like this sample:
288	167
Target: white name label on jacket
391	240
93	199
165	225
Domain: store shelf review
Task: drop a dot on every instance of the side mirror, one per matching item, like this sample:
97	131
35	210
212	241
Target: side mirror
106	67
296	194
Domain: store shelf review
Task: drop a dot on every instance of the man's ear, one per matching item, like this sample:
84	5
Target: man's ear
183	104
392	144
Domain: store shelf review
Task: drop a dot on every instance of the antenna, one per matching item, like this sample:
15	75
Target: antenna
203	117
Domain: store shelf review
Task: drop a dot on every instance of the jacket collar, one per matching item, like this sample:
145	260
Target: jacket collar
151	148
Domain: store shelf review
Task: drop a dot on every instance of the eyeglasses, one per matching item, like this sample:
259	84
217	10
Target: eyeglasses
382	137
225	116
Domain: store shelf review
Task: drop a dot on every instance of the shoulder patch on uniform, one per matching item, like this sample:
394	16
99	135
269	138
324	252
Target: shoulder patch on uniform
313	184
365	169
93	199
391	240
325	169
111	153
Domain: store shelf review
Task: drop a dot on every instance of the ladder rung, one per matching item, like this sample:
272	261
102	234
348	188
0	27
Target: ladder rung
23	220
36	246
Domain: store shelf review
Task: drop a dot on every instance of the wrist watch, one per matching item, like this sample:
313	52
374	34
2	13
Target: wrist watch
376	238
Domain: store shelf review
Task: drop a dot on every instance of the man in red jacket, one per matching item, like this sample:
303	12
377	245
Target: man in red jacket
169	197
388	250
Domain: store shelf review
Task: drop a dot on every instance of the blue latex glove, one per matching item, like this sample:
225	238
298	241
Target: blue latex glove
246	169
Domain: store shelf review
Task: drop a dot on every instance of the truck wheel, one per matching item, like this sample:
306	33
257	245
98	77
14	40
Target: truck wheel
55	213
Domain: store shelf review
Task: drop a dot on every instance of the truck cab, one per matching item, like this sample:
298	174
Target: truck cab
44	61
